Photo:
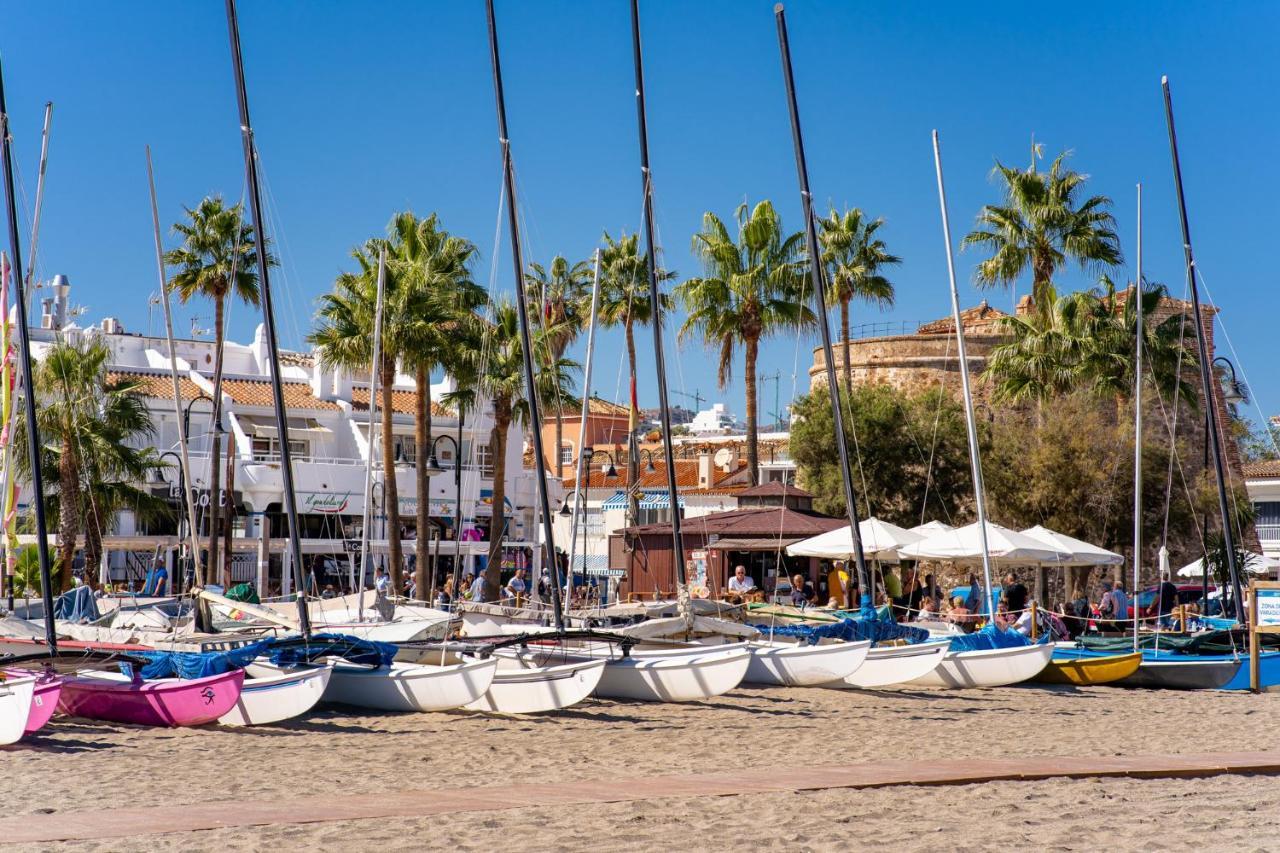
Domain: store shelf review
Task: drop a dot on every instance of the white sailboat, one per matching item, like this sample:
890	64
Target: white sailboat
888	665
15	707
793	664
278	697
525	685
988	667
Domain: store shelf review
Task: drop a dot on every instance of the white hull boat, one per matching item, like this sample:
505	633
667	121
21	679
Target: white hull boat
988	667
405	631
402	686
520	686
895	665
680	677
803	665
15	706
278	697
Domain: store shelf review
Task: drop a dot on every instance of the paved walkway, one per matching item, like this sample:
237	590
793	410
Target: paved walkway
124	822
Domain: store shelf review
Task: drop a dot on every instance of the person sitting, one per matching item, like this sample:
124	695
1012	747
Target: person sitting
802	594
329	592
960	615
741	582
928	611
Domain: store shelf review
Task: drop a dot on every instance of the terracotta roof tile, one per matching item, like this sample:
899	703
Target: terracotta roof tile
158	386
255	392
980	315
297	359
754	521
775	489
402	403
686	476
595	406
1267	469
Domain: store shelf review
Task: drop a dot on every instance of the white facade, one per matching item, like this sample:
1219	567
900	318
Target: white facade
1262	480
716	420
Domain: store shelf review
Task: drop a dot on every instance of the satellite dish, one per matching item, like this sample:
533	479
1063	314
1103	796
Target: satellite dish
723	456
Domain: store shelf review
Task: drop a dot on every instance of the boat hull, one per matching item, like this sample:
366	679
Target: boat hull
278	697
796	665
521	687
15	707
988	667
680	678
163	702
1090	671
402	686
1166	674
895	665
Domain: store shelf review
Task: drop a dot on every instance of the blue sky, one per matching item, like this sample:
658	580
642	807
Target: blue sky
364	109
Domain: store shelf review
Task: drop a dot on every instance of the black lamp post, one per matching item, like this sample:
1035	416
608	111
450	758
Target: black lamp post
182	493
433	468
186	415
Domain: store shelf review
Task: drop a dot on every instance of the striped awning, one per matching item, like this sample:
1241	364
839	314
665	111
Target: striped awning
591	561
648	500
607	573
618	501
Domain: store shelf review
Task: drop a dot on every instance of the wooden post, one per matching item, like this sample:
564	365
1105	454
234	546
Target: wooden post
1035	633
1254	660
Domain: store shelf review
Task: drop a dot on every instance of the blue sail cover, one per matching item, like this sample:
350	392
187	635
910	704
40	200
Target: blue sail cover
990	637
76	605
851	630
286	652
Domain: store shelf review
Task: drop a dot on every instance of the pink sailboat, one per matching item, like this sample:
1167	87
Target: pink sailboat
44	698
160	702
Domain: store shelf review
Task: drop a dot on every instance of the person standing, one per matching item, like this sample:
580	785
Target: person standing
838	584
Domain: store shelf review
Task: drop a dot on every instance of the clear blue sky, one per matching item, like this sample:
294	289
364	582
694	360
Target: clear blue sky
363	109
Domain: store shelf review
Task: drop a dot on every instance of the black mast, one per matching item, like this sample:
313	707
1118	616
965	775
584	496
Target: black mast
526	344
1210	399
28	387
820	298
269	320
655	299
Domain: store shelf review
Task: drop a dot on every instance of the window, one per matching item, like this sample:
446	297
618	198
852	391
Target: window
1267	522
484	460
268	449
405	448
654	516
566	454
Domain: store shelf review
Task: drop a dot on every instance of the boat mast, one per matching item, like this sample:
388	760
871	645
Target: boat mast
820	298
971	427
269	320
6	503
580	496
1210	399
373	414
526	343
655	302
1137	433
28	387
187	480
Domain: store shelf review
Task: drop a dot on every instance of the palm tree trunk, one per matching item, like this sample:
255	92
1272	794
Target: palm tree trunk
228	521
753	438
498	524
633	453
422	439
390	494
844	346
215	450
68	510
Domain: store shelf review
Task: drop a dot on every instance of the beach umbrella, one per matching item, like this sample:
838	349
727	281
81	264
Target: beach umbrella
1077	551
931	527
1254	564
964	545
880	541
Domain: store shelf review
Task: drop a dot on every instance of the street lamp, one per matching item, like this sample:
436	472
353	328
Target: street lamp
610	469
433	468
186	414
1234	391
182	496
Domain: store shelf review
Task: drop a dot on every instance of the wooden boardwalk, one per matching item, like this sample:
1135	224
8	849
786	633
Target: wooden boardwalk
127	822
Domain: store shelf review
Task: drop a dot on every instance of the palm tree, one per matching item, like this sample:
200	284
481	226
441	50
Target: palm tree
853	256
564	294
497	371
217	260
1041	226
434	267
753	287
94	427
625	302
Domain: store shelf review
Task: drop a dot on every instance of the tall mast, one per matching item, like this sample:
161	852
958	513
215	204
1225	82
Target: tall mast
820	299
1210	399
655	302
526	343
580	496
187	497
269	320
1137	433
373	416
29	407
971	427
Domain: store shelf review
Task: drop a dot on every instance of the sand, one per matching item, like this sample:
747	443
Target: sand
340	750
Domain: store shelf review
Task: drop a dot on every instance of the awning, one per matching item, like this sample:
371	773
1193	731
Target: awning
266	427
608	573
763	543
593	562
618	501
648	500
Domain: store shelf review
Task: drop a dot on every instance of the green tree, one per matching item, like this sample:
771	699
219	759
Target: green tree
911	460
1043	225
854	256
752	288
217	260
562	295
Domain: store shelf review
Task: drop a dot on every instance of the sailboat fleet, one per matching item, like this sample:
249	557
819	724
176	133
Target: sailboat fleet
211	659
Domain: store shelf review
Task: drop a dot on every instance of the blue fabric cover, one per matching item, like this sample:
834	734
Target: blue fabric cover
990	637
76	605
851	630
286	652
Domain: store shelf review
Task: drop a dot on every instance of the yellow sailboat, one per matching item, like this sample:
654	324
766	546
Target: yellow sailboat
1086	671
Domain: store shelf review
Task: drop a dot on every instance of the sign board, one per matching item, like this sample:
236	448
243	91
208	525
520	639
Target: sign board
351	546
1264	618
1268	606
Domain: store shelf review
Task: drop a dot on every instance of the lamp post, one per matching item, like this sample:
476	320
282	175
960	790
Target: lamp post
1233	394
433	468
186	414
182	492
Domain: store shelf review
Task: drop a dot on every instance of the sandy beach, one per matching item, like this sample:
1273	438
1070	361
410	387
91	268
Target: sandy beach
337	750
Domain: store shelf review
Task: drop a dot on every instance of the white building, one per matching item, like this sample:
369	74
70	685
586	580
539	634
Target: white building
715	420
328	436
1262	480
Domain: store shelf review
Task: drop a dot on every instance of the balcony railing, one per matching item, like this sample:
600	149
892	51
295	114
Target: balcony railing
1268	532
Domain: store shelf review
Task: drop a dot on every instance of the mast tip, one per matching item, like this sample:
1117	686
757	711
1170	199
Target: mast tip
1164	79
777	8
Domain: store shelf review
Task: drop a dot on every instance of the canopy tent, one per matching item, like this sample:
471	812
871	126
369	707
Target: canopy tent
929	528
880	541
1081	553
964	545
1254	564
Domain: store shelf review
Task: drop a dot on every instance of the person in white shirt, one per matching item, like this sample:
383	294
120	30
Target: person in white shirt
381	581
477	588
741	583
517	586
